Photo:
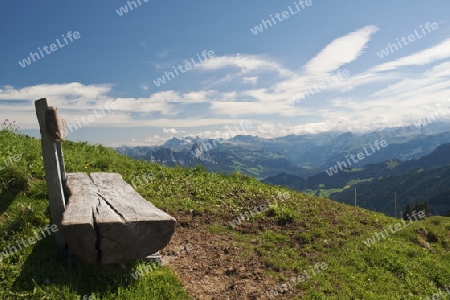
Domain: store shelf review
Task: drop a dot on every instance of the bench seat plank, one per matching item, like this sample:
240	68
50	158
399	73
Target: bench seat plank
106	221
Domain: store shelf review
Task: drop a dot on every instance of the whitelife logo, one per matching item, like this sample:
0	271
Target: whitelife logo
321	86
12	159
257	209
31	241
124	9
440	112
53	47
411	38
281	289
360	156
394	228
187	67
90	118
281	17
198	152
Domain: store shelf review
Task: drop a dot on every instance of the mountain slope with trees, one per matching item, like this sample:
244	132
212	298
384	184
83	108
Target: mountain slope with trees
414	181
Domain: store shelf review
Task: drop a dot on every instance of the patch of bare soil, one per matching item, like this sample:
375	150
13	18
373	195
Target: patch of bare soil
213	268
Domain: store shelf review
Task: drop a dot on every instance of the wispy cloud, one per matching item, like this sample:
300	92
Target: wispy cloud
144	86
65	90
170	130
250	80
245	63
164	53
394	93
341	51
422	58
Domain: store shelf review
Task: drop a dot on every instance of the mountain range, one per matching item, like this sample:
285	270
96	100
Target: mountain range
301	162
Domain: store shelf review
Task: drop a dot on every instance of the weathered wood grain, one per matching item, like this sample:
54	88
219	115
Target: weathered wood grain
78	219
53	174
54	126
107	221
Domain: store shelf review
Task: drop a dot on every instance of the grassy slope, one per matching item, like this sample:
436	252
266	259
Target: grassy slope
288	237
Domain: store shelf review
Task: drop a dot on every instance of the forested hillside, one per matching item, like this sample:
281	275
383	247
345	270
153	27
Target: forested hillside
414	181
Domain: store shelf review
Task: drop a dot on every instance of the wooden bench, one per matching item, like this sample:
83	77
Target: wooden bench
101	218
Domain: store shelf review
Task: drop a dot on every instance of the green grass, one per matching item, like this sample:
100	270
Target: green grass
288	237
38	271
356	181
322	192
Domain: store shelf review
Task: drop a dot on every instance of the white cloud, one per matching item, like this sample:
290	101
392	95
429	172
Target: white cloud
392	96
66	90
250	80
144	86
164	53
341	51
434	80
169	130
436	53
246	64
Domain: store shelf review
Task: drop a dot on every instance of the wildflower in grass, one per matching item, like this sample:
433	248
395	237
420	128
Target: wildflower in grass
9	125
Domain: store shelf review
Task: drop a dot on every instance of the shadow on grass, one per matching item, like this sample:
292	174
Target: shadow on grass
7	197
48	266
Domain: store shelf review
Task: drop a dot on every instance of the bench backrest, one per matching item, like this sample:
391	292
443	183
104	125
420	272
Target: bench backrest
52	133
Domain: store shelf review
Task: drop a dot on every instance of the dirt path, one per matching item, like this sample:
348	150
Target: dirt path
213	269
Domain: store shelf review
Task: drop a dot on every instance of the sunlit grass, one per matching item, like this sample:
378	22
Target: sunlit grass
294	234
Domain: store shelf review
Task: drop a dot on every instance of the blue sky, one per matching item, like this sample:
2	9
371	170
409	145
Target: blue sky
257	78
